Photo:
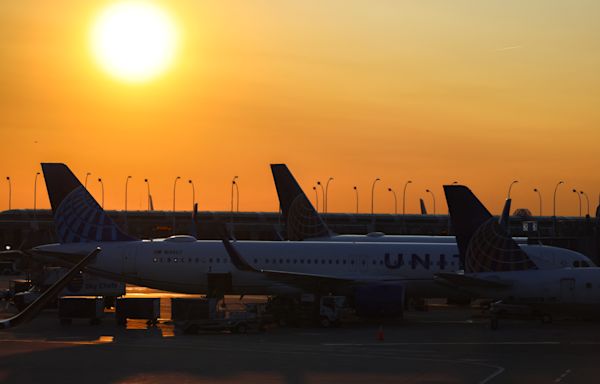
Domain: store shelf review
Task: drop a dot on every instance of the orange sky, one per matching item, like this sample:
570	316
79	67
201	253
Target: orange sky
432	91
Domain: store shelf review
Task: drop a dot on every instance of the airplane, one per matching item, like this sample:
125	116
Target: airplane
303	222
497	268
186	265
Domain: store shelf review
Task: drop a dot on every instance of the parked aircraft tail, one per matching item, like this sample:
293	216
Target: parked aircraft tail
77	216
301	219
482	241
423	209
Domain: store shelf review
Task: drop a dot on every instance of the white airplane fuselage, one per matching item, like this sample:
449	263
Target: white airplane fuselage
566	288
181	264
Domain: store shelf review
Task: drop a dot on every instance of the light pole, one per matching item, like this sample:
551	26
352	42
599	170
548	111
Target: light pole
327	193
237	196
102	185
322	195
316	198
148	187
233	185
9	192
454	182
35	193
86	178
395	201
373	195
174	195
404	197
174	189
510	187
126	182
579	197
433	197
588	202
554	199
193	193
540	198
356	195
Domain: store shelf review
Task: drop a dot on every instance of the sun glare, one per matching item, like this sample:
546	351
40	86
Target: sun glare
134	41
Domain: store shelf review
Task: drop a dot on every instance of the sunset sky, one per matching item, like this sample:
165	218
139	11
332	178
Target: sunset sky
481	92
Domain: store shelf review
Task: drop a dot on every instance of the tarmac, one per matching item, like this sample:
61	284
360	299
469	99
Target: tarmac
442	345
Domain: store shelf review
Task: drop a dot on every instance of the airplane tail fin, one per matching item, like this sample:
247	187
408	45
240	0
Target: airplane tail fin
482	241
301	219
77	216
423	209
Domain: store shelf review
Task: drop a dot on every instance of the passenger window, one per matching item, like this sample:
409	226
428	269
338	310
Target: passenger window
196	259
308	261
155	260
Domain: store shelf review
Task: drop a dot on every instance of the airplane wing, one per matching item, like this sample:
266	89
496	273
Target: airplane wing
460	280
293	278
34	308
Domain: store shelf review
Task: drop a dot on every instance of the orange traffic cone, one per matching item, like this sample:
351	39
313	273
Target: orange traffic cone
380	333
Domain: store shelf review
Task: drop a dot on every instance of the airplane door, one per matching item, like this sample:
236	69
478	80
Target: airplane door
129	261
567	290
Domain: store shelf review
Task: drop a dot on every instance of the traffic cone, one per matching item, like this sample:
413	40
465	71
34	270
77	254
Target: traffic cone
380	333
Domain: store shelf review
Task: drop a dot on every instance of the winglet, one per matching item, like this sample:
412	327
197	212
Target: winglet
236	258
505	218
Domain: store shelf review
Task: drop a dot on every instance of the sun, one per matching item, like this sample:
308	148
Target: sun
134	41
